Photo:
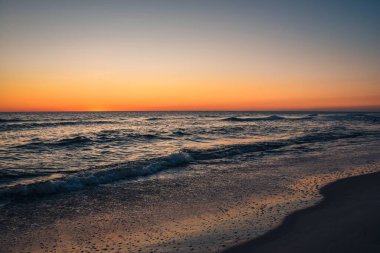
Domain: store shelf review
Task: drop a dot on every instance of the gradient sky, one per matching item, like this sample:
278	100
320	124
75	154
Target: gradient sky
189	55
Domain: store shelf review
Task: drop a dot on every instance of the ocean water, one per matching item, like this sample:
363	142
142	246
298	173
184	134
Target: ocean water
49	153
169	181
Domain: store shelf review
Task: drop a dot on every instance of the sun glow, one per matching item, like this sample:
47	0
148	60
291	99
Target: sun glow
124	59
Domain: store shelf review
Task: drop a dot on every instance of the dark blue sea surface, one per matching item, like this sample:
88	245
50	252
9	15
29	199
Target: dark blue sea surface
46	153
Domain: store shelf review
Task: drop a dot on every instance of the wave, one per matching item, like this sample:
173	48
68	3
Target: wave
236	149
65	142
179	133
208	116
238	119
366	117
154	119
142	168
101	137
17	126
267	118
147	136
11	120
95	177
78	140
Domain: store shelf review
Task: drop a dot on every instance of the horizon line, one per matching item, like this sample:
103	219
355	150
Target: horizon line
365	109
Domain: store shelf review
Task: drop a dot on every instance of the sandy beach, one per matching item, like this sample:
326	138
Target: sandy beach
347	220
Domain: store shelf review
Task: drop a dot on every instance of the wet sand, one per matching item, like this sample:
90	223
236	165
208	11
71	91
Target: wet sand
347	220
202	208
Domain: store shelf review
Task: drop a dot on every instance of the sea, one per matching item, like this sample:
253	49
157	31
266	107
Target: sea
49	153
169	181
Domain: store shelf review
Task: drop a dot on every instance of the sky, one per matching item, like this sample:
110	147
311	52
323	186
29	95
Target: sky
189	55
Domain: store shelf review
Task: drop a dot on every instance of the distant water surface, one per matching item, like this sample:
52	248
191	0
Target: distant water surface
46	153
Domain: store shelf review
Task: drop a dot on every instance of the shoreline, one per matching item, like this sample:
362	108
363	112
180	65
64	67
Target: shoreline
193	212
346	220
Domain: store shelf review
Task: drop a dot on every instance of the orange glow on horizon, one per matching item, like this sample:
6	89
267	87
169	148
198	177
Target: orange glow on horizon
123	56
176	92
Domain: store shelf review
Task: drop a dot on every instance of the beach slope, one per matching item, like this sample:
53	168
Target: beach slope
347	220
